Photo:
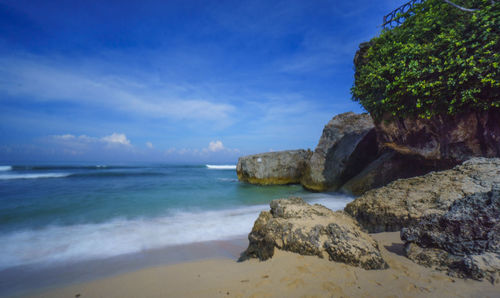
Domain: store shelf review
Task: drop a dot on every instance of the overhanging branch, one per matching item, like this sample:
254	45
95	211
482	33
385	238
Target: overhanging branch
463	8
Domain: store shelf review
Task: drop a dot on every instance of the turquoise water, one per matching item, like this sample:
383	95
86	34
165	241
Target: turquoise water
56	214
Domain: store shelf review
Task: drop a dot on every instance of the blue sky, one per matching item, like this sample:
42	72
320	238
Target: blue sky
174	81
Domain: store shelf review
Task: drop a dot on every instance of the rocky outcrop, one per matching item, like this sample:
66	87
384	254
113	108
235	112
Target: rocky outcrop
389	166
283	167
347	145
406	201
445	139
296	226
465	240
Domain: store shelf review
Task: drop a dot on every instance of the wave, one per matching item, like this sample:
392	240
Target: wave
56	244
122	236
221	167
68	167
5	168
117	174
33	176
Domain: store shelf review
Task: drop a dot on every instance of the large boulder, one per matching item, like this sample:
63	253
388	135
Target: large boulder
445	139
296	226
347	145
465	240
283	167
406	201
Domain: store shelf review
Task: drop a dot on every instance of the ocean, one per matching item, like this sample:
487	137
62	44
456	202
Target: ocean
62	214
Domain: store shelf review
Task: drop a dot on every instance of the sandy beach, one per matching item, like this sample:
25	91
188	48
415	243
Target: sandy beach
285	275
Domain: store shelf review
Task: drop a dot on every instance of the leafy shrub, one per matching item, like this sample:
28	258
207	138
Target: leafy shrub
441	60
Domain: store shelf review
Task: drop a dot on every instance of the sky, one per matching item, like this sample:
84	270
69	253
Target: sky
175	81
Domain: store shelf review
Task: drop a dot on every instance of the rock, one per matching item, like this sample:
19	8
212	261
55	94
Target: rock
347	145
406	201
448	139
296	226
389	166
465	240
283	167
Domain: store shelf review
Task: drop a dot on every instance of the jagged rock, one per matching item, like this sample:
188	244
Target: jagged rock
406	201
447	139
296	226
465	240
283	167
347	145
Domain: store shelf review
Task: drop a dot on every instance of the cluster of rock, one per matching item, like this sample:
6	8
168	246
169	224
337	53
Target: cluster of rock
293	225
449	220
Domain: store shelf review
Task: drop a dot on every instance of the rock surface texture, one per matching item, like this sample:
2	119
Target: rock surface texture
465	240
347	145
296	226
389	166
445	139
406	201
283	167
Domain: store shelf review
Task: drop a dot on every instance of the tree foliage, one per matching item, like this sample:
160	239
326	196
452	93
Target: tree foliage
441	60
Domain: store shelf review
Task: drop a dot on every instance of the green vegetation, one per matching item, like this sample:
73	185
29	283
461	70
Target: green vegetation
441	60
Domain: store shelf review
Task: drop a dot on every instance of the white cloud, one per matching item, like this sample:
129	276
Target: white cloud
149	145
215	146
113	139
116	138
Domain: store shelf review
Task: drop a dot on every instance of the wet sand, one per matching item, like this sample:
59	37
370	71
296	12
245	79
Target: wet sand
27	279
285	275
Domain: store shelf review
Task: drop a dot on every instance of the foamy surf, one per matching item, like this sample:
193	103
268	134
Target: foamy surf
56	244
33	176
5	168
221	167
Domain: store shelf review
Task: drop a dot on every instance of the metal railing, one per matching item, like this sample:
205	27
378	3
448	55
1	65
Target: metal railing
395	17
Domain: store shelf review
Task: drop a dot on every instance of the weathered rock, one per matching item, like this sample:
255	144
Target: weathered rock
465	240
406	201
296	226
448	139
389	166
347	145
283	167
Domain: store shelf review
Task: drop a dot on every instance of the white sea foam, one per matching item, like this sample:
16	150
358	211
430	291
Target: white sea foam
221	167
122	236
5	168
33	176
331	201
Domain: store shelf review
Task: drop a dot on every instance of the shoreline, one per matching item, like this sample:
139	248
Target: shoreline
26	279
286	274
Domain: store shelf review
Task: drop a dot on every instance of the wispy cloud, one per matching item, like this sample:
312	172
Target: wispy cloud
44	79
114	138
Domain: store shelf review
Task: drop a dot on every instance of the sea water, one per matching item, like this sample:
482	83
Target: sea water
53	214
